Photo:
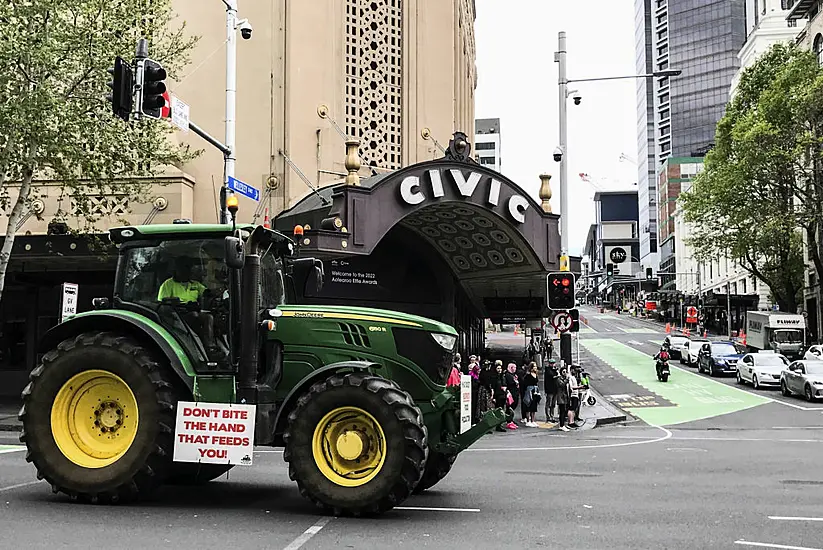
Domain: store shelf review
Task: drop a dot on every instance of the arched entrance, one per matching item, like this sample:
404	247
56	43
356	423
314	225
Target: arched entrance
447	239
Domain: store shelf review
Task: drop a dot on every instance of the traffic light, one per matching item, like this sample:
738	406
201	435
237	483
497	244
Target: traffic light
122	89
153	89
649	274
609	270
575	315
561	290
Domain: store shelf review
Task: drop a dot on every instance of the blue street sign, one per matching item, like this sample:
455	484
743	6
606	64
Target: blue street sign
244	189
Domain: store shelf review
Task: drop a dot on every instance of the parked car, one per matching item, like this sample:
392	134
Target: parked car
803	378
762	369
719	357
690	351
814	353
676	344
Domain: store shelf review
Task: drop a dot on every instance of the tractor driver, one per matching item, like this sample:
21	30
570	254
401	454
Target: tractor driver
181	285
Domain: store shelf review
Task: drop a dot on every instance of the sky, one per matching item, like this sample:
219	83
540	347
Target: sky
517	82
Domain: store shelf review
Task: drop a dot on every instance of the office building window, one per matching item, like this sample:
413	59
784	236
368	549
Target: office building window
484	146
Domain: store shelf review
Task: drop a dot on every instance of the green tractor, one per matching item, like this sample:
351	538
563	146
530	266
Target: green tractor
211	314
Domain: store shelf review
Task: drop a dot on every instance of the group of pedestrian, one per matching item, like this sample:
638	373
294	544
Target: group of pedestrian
564	388
496	386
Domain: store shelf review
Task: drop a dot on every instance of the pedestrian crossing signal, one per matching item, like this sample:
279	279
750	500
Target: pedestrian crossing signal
575	315
561	290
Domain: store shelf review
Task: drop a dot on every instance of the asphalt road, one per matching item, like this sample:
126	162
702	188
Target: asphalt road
719	480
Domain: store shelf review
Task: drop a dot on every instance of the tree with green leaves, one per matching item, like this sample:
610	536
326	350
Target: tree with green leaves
58	136
744	205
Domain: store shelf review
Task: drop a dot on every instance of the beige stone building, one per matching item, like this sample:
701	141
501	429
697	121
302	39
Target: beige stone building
385	69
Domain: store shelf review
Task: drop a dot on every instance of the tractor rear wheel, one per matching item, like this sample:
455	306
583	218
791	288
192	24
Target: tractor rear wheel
356	444
98	418
437	467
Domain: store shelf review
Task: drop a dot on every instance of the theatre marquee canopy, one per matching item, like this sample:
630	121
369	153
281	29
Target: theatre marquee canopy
497	241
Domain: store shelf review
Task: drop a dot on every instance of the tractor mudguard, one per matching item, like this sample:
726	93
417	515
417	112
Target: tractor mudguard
130	324
315	376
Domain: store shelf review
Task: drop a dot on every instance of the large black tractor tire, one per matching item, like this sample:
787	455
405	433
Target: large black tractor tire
438	466
317	421
184	473
125	376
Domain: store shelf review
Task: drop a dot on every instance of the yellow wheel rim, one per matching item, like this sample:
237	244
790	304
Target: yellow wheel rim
94	418
349	446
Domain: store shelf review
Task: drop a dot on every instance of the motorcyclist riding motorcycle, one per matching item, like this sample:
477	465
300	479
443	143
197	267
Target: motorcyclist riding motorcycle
662	363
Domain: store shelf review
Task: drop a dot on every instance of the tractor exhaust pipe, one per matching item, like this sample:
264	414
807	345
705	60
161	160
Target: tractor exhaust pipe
249	312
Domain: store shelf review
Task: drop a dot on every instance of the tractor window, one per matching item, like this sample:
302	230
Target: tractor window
197	263
273	291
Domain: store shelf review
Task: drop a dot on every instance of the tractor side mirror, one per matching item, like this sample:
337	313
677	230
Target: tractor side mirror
234	253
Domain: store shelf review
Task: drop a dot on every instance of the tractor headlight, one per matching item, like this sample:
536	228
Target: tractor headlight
446	341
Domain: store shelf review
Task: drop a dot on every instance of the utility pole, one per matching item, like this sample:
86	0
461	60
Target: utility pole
560	58
231	102
729	307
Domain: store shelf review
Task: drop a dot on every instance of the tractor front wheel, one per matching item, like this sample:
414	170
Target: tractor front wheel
356	444
98	418
437	467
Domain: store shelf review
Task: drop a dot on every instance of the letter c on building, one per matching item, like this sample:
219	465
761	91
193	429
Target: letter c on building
408	192
517	208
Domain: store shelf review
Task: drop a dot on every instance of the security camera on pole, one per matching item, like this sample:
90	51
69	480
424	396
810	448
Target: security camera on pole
561	155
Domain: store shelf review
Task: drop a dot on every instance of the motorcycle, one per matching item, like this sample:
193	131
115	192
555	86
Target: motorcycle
663	370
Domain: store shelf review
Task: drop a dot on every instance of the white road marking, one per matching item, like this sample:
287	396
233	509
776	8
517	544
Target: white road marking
574	447
308	534
769	545
797	427
263	451
15	450
754	439
18	486
793	518
427	509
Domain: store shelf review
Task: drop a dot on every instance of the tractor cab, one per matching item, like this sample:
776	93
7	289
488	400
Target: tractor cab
186	278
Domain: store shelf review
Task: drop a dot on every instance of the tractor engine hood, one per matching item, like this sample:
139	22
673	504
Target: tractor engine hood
367	315
394	335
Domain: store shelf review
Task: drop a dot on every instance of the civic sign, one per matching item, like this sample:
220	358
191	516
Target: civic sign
414	192
562	321
244	189
214	433
465	403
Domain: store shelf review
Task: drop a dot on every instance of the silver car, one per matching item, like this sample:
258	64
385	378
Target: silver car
803	378
761	369
676	346
814	353
690	351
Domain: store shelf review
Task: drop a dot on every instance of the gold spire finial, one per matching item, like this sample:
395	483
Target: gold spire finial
545	193
353	162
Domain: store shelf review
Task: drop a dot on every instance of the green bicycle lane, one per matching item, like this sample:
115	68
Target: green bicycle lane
10	448
694	397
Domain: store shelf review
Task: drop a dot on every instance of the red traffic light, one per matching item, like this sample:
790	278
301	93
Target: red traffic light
565	282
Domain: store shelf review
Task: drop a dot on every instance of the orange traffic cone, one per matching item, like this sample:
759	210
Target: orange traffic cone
668	328
705	333
687	332
266	222
743	335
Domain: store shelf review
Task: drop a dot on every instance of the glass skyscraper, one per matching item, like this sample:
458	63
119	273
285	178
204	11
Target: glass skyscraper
677	116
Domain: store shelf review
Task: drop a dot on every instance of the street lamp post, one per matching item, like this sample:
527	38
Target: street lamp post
231	102
563	83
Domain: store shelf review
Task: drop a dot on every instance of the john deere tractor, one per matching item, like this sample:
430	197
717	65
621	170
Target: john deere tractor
211	314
